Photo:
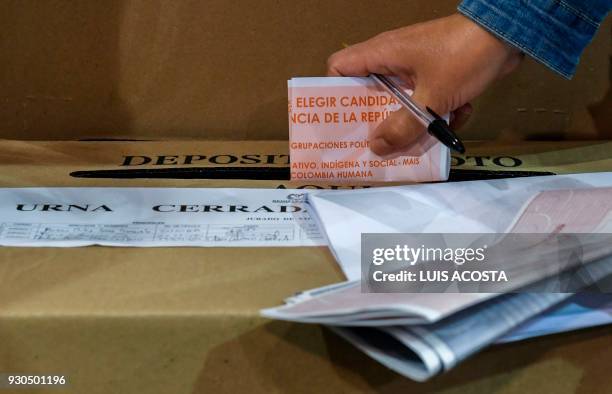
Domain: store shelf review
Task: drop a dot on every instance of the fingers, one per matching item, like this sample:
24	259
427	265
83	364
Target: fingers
402	129
395	133
361	59
460	116
349	61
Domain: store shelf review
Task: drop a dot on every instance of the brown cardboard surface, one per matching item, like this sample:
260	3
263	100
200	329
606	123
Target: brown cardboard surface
125	163
185	320
217	69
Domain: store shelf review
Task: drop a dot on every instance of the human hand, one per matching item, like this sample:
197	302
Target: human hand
447	62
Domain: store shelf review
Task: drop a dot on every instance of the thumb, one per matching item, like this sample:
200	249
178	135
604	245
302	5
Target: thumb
402	129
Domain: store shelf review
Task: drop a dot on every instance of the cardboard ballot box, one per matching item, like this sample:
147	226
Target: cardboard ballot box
186	320
155	69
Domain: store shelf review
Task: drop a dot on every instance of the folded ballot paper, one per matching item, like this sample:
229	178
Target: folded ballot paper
423	334
329	122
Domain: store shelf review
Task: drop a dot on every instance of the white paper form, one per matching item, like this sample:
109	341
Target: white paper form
386	326
492	206
68	217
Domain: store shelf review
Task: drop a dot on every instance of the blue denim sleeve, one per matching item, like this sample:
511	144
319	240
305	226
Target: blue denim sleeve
554	32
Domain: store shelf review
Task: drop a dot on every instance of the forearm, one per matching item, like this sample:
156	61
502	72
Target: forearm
554	32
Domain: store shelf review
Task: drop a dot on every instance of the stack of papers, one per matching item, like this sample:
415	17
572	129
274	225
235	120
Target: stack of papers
421	335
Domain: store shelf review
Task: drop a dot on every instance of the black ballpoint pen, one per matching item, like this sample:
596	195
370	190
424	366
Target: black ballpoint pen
436	126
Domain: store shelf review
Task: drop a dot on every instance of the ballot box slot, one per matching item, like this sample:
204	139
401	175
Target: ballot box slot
268	173
256	173
475	175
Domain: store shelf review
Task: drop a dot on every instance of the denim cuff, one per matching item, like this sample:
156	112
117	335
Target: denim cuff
554	32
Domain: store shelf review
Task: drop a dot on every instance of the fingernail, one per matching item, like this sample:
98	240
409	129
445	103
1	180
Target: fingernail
381	147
